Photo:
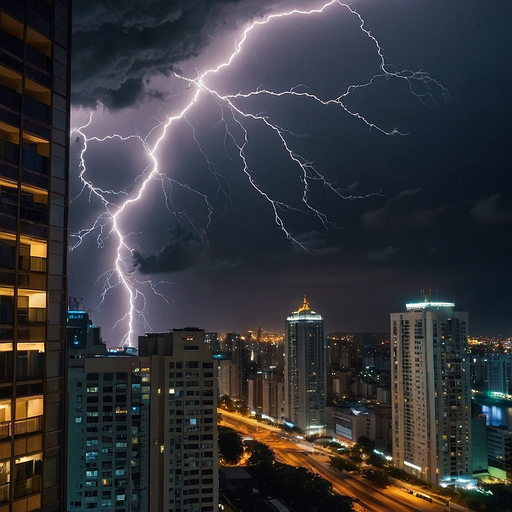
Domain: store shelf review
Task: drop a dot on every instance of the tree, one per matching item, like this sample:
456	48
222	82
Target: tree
366	444
226	403
230	445
342	463
376	460
296	486
261	454
377	476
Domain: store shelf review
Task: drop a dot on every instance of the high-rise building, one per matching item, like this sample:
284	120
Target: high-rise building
183	457
499	447
431	394
108	424
235	348
499	375
305	369
34	149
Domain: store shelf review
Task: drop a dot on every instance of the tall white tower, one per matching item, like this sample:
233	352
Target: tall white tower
305	363
431	391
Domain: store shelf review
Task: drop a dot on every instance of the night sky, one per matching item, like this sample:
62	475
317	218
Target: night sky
371	216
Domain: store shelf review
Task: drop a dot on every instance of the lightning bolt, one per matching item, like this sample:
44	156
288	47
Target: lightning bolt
234	117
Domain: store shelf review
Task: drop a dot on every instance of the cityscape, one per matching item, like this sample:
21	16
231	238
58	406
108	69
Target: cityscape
137	379
313	391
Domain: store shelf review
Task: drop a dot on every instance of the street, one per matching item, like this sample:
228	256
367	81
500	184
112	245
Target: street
296	452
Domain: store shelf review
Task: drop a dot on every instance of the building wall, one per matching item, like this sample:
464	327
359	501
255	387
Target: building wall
305	370
108	435
350	427
183	458
224	372
479	445
499	447
273	395
34	154
499	377
431	393
383	395
383	422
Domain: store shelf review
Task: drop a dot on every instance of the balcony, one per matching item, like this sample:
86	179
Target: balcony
27	486
40	20
37	111
31	316
10	106
32	207
15	9
28	426
39	67
11	51
4	492
5	430
35	162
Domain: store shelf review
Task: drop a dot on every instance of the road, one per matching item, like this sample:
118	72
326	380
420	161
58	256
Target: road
295	452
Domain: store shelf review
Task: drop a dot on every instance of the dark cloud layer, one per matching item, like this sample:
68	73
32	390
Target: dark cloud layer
186	248
489	211
118	46
442	217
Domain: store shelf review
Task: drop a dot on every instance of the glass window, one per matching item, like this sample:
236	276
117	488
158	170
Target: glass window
58	166
27	474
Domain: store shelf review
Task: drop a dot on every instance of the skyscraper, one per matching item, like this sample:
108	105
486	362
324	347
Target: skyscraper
183	460
431	395
34	148
499	374
305	367
108	423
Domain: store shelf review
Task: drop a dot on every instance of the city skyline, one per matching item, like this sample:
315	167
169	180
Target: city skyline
434	208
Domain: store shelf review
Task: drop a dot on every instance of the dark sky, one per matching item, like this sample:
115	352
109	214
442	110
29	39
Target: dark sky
354	216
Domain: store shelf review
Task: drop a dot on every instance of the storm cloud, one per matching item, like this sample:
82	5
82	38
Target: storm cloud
120	45
186	248
442	219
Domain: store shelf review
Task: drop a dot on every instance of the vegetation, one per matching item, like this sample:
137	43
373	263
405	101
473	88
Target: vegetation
400	474
231	447
501	498
493	498
343	464
377	461
377	476
365	445
260	454
226	403
300	488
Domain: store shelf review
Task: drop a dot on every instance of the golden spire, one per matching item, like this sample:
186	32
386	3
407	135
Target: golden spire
305	305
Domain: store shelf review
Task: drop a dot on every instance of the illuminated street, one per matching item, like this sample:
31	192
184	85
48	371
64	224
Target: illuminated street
291	451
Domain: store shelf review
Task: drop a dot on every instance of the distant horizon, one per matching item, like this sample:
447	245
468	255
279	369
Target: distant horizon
279	333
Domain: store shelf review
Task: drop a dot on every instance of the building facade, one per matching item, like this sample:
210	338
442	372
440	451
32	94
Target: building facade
431	394
499	447
499	375
108	424
34	154
352	423
183	456
305	370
